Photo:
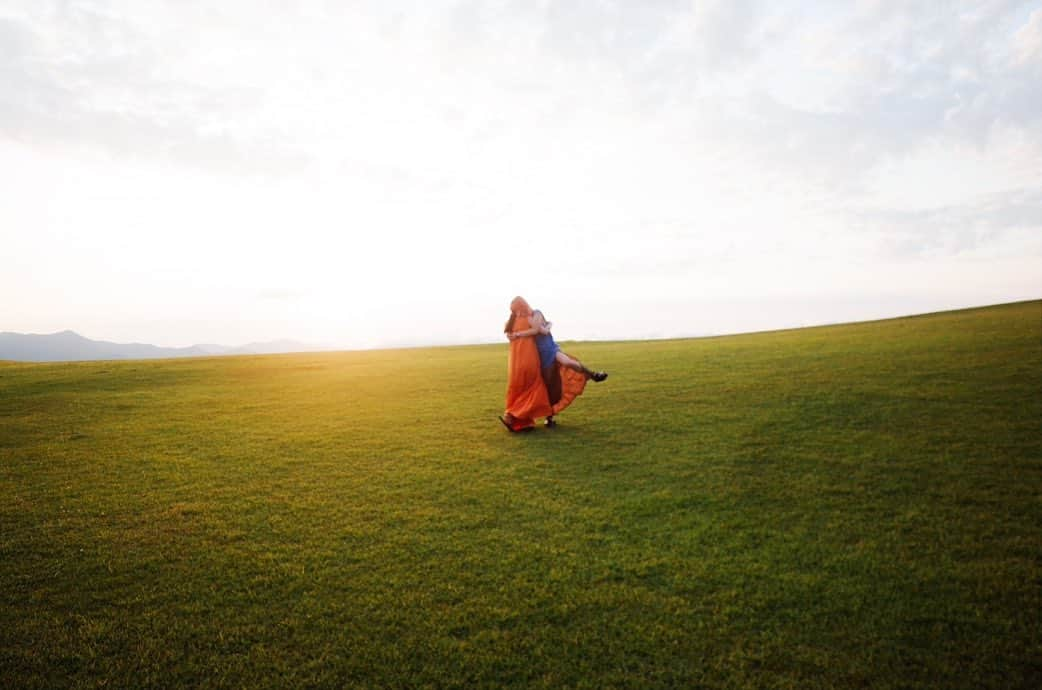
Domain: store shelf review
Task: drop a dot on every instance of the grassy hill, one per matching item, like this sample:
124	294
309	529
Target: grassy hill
848	506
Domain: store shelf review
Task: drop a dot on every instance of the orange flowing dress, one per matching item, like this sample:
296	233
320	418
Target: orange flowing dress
527	396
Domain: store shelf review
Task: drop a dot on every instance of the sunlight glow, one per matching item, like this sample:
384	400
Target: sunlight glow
360	177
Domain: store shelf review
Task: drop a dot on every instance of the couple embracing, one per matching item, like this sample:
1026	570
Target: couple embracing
541	380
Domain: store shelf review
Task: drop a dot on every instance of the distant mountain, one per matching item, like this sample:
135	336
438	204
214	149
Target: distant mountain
69	346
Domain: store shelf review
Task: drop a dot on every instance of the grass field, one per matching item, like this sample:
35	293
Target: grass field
849	506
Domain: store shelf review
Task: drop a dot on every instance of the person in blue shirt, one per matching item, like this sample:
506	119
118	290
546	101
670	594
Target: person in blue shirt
550	351
550	355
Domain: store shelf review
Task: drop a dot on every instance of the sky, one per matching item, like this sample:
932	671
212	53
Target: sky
372	174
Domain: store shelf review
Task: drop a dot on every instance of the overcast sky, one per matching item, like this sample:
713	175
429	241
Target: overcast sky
365	174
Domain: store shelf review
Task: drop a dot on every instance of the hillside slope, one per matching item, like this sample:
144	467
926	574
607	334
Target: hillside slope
847	506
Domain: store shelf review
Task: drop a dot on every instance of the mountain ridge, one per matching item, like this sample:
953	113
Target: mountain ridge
70	346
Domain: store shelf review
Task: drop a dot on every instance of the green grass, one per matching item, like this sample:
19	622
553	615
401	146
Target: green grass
849	506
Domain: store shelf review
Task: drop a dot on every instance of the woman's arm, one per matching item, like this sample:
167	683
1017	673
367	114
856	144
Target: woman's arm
537	325
540	323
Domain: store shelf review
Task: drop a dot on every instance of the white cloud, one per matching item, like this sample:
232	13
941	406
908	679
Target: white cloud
378	161
1027	41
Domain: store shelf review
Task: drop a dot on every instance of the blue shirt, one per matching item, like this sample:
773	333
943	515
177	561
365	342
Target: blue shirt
548	349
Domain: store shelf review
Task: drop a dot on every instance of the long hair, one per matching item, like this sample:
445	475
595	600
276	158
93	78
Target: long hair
518	307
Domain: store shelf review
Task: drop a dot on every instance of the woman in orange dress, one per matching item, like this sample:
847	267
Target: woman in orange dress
533	390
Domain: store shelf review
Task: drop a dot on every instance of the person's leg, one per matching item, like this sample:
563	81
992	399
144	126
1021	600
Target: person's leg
573	364
576	365
552	380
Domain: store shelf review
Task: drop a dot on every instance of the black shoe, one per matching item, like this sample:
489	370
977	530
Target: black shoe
511	429
599	376
550	423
